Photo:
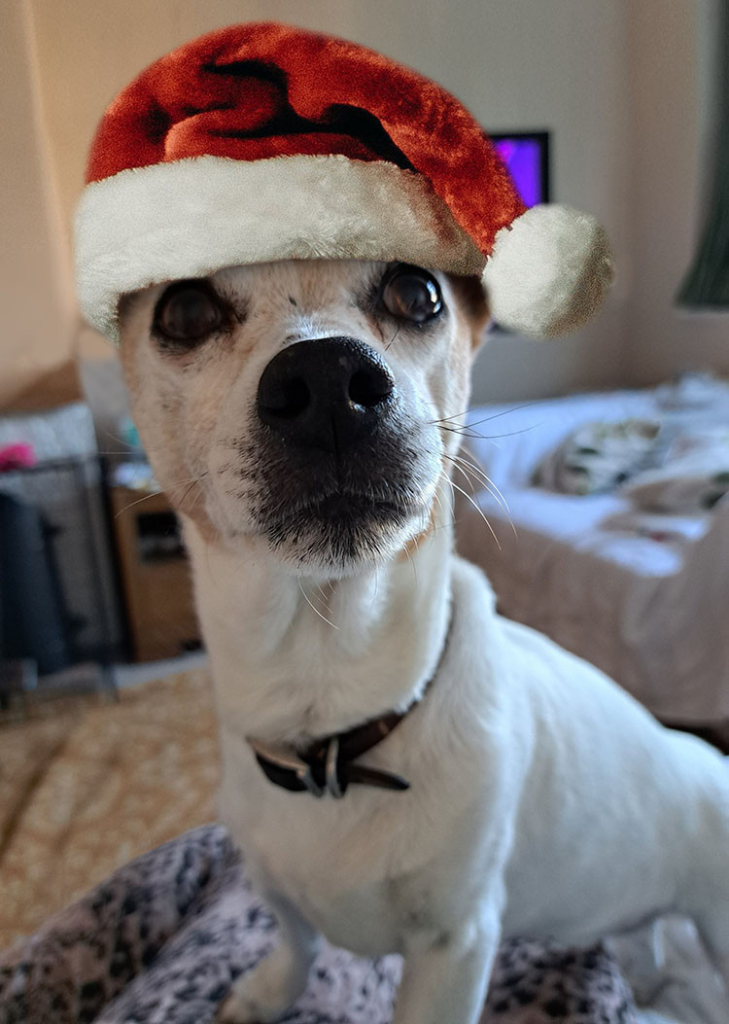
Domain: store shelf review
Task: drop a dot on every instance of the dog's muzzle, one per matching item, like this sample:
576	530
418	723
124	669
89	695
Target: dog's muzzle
336	458
328	394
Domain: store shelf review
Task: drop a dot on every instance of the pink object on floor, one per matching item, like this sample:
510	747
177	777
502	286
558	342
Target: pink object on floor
17	456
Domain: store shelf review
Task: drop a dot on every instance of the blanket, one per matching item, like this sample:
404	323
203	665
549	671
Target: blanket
163	939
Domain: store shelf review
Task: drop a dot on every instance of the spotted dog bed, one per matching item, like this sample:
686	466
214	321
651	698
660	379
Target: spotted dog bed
163	939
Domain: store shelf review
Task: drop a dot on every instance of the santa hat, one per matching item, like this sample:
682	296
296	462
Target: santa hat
264	142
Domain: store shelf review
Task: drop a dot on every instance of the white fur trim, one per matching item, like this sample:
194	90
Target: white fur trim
549	271
191	217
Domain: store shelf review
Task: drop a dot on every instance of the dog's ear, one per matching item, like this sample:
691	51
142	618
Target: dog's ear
473	305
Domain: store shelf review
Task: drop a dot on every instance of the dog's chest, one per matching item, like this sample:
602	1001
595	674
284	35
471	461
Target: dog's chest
371	917
357	904
374	872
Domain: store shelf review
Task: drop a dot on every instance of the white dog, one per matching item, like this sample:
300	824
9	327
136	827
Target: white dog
301	415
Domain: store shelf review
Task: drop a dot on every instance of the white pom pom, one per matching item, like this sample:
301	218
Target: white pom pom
549	271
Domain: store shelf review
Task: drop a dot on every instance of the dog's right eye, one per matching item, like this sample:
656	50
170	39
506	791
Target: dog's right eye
188	312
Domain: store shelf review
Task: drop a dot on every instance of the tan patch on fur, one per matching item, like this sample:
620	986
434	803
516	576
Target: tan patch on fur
184	493
472	315
413	544
473	306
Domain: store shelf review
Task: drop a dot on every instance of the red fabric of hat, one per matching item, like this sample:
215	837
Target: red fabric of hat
253	92
263	141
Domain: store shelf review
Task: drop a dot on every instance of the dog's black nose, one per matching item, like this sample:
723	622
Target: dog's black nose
328	393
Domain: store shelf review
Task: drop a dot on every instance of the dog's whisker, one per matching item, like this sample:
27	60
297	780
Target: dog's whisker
315	609
187	491
470	469
488	485
473	482
132	504
325	598
479	510
438	500
377	584
473	435
491	487
450	514
413	566
389	345
189	481
486	419
470	476
125	444
497	495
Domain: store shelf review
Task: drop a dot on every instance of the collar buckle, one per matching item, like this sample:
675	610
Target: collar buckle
330	764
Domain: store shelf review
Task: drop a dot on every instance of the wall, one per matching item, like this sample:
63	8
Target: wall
515	63
619	84
671	60
38	315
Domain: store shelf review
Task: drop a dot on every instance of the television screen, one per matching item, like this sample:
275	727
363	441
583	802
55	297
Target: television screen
526	155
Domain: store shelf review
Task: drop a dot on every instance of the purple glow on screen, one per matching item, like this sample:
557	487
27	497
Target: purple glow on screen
523	161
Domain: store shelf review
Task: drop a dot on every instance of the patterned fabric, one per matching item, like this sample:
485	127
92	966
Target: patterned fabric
162	940
598	457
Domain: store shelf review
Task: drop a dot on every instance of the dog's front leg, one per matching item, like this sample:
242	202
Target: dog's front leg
265	993
446	982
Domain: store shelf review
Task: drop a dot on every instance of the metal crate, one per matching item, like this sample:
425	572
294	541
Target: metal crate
70	495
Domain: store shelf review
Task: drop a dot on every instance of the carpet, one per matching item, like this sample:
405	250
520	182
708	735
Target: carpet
87	786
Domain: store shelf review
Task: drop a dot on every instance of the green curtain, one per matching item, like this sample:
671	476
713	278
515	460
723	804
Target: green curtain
706	285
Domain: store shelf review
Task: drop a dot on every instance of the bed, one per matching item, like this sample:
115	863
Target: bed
641	596
86	787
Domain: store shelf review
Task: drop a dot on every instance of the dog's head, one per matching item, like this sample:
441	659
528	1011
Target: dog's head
302	406
296	403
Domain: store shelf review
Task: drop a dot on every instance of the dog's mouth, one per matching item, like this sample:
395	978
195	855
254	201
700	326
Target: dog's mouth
324	510
342	506
340	528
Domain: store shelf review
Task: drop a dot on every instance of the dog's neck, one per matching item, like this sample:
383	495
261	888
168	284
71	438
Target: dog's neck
294	659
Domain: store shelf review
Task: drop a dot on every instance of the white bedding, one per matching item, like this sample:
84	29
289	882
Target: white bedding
672	979
643	597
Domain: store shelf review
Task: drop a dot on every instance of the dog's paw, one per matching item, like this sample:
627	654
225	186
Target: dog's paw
262	995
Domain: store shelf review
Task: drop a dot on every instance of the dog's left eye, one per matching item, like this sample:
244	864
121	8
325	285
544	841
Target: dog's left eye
410	293
188	312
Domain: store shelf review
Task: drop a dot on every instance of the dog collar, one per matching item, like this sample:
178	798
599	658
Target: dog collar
327	765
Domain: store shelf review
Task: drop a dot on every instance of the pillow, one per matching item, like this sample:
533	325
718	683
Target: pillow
598	457
694	478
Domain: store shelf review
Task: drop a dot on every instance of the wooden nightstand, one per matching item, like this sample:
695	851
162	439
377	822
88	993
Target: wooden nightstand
156	575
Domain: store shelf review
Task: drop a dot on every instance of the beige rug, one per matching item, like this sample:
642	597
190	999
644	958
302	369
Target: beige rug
87	786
